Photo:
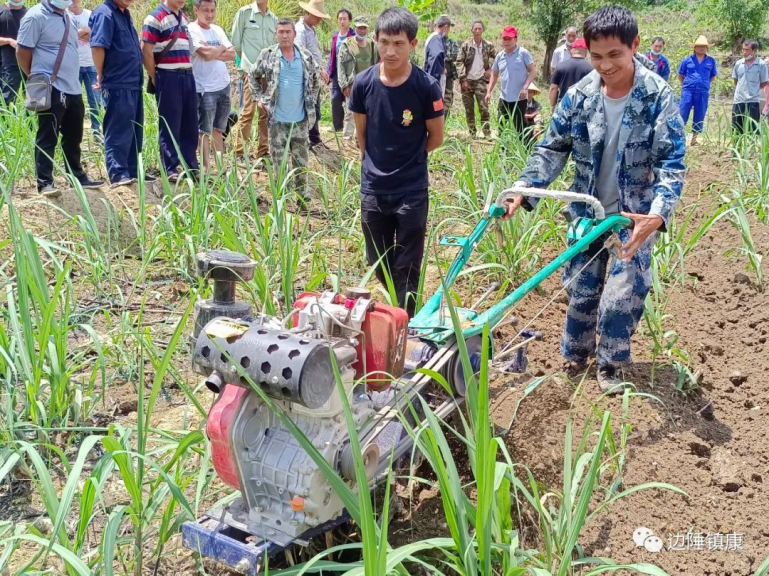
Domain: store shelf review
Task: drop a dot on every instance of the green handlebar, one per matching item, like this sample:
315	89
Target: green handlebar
494	315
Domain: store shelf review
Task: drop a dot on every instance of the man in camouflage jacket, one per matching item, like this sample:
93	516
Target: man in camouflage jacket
289	112
452	53
647	185
356	54
474	80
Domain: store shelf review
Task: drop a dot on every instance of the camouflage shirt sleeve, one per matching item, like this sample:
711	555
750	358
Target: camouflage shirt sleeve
314	76
668	151
550	156
256	74
345	72
461	62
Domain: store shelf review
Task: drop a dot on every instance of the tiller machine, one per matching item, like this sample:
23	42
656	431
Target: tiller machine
284	498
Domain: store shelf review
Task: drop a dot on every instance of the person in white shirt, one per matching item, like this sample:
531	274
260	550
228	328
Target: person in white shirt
80	19
563	52
212	51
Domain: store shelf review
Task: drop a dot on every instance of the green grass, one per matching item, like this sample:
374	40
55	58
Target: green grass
81	327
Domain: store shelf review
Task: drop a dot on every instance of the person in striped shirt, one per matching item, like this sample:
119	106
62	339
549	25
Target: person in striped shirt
170	72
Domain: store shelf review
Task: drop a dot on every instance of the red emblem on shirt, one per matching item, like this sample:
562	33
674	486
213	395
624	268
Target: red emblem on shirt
438	105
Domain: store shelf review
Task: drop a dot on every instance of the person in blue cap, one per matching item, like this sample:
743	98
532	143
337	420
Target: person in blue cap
695	73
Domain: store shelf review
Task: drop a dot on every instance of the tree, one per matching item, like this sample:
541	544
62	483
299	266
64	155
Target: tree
741	18
550	18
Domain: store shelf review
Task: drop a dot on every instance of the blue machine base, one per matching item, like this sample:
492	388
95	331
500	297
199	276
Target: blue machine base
237	549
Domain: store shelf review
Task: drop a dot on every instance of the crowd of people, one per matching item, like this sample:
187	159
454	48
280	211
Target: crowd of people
615	115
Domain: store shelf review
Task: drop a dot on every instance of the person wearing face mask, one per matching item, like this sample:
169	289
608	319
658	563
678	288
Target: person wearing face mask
620	124
563	52
750	76
695	73
340	116
435	51
356	54
41	32
11	13
661	63
117	57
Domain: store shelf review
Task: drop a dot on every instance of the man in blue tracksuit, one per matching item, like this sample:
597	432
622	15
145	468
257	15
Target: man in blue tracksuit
118	61
695	73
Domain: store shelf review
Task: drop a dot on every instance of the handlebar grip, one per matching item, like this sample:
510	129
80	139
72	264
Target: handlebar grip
562	195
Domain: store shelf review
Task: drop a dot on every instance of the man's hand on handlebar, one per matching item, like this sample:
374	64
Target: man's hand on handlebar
644	225
511	205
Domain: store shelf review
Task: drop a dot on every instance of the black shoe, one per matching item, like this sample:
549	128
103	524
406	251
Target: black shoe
89	184
148	178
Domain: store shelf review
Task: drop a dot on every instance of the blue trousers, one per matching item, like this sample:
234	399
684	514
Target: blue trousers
88	79
123	132
697	100
608	307
178	118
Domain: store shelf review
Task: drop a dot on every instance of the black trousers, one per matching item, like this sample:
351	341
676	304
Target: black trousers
394	227
512	112
314	131
745	117
337	105
10	82
65	120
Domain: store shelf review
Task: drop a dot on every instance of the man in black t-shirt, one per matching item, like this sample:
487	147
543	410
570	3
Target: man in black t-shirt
398	111
570	72
11	14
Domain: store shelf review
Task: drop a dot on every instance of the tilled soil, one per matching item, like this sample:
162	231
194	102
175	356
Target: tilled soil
710	442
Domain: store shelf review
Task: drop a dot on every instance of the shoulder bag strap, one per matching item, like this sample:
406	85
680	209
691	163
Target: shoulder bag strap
62	48
174	37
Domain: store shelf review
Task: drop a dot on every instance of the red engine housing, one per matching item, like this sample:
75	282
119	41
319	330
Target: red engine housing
386	330
220	419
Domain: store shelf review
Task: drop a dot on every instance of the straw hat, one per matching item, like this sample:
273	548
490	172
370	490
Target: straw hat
702	41
315	7
533	88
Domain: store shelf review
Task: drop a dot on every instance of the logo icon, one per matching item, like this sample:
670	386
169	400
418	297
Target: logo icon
646	538
408	118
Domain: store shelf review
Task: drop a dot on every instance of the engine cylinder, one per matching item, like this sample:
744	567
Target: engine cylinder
286	365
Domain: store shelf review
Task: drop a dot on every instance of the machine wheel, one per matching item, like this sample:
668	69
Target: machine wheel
454	372
370	462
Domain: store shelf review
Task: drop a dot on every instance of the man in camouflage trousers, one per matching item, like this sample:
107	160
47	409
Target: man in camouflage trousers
474	69
621	125
452	53
292	80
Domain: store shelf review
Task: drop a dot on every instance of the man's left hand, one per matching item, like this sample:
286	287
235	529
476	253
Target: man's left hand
524	95
324	76
644	225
